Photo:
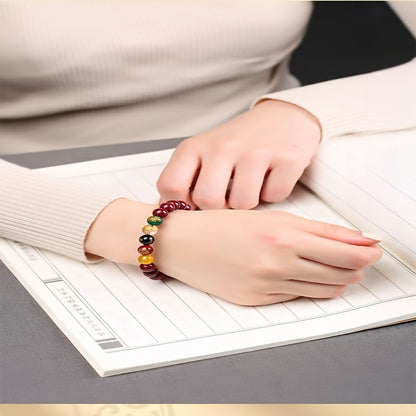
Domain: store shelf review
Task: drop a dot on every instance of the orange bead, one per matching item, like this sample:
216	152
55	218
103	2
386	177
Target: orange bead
145	259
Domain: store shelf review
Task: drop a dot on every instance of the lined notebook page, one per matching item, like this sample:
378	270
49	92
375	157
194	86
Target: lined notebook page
371	180
121	321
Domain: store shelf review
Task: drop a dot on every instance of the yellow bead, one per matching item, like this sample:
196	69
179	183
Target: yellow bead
150	229
146	259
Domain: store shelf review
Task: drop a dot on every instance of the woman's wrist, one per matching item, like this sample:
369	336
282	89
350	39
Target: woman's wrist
300	117
114	234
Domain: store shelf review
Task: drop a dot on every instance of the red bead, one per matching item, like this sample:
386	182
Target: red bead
145	250
160	212
167	206
187	207
162	276
147	267
154	274
176	203
182	204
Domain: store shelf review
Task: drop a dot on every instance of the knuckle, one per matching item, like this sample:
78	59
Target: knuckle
354	276
359	261
331	229
244	203
163	185
289	158
220	147
185	145
207	202
263	269
359	274
279	242
277	194
259	155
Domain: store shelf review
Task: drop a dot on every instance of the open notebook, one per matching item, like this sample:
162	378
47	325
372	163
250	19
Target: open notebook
121	321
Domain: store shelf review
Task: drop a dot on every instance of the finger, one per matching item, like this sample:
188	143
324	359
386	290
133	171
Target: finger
212	183
311	290
176	179
310	271
247	182
280	182
334	232
336	253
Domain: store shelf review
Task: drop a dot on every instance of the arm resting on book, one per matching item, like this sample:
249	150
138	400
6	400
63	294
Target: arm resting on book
45	212
205	249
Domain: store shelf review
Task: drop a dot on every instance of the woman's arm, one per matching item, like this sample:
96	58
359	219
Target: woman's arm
46	212
246	257
267	148
379	101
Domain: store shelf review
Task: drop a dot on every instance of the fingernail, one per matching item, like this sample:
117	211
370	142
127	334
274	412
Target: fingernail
370	236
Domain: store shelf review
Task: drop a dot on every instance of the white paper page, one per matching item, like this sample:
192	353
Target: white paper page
121	321
371	180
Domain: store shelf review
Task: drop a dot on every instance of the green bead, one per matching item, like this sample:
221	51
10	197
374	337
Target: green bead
154	220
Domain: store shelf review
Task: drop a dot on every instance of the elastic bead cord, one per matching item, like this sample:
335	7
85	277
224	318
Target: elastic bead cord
146	240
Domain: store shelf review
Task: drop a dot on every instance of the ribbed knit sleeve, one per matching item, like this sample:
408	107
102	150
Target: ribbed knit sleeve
45	212
378	101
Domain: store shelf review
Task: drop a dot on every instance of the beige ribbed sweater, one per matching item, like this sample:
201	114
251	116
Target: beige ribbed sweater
80	73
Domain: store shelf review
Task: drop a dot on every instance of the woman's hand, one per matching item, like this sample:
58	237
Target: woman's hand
245	257
259	258
265	150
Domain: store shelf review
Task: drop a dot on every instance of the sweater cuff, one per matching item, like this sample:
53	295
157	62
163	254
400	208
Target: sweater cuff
379	101
47	212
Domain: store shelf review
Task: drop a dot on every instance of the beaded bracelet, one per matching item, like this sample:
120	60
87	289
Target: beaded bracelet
146	259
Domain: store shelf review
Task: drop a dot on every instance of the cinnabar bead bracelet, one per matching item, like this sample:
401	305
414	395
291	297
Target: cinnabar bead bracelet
146	240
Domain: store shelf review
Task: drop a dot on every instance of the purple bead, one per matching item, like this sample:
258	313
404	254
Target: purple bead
167	206
160	212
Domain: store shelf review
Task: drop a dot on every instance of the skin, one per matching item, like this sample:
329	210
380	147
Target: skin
265	150
245	257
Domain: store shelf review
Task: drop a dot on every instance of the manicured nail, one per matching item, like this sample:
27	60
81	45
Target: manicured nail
371	236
